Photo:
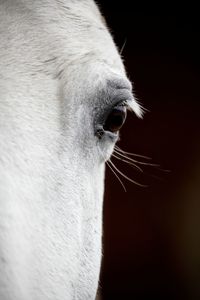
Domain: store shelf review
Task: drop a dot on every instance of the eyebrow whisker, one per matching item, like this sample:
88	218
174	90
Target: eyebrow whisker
123	46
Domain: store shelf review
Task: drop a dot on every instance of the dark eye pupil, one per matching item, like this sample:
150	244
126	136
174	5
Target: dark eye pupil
115	119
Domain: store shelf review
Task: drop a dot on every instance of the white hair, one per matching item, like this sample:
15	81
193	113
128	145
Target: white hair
59	73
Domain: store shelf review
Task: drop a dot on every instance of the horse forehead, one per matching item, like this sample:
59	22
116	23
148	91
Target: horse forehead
84	30
82	15
80	30
61	33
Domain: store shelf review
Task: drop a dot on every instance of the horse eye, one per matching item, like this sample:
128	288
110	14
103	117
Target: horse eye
115	119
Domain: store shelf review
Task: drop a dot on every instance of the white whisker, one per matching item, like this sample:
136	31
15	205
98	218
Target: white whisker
129	179
131	154
135	161
116	175
128	162
107	162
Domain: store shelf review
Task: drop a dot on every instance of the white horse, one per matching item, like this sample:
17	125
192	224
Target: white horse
63	98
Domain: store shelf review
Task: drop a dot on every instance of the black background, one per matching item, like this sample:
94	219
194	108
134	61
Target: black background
151	243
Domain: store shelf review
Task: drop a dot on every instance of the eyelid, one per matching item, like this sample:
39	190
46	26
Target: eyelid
121	103
125	95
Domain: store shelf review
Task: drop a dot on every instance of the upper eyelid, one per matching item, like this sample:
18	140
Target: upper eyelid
111	95
123	88
124	95
120	84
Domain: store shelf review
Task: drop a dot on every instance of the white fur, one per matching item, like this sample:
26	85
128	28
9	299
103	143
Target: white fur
56	56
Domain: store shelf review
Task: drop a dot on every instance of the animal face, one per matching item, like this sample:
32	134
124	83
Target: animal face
63	99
